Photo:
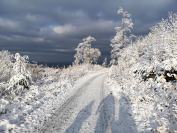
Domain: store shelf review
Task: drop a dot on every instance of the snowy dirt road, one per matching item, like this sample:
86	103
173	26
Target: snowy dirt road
90	110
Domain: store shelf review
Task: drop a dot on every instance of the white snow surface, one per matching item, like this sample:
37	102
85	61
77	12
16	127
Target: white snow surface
90	100
29	111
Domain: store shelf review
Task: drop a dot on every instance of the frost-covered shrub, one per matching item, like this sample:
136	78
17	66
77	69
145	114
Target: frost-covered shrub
157	52
5	65
21	77
37	71
166	71
147	71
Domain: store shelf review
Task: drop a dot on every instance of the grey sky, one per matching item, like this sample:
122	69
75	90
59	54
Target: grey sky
49	30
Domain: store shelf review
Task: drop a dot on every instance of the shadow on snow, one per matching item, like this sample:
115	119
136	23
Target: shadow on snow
125	122
106	120
81	117
106	111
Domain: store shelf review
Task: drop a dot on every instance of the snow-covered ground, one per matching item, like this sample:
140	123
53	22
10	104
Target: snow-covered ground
91	99
29	111
79	111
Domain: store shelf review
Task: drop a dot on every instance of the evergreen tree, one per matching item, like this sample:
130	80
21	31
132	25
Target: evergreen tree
121	39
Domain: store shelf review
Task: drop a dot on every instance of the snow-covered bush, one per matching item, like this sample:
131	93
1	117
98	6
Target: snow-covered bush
37	71
158	51
85	53
157	66
21	77
147	72
5	65
166	71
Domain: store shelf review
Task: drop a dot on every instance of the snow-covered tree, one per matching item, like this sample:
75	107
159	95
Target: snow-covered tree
121	39
20	75
85	53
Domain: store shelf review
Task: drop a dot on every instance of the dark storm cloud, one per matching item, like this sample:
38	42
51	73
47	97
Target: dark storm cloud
49	30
